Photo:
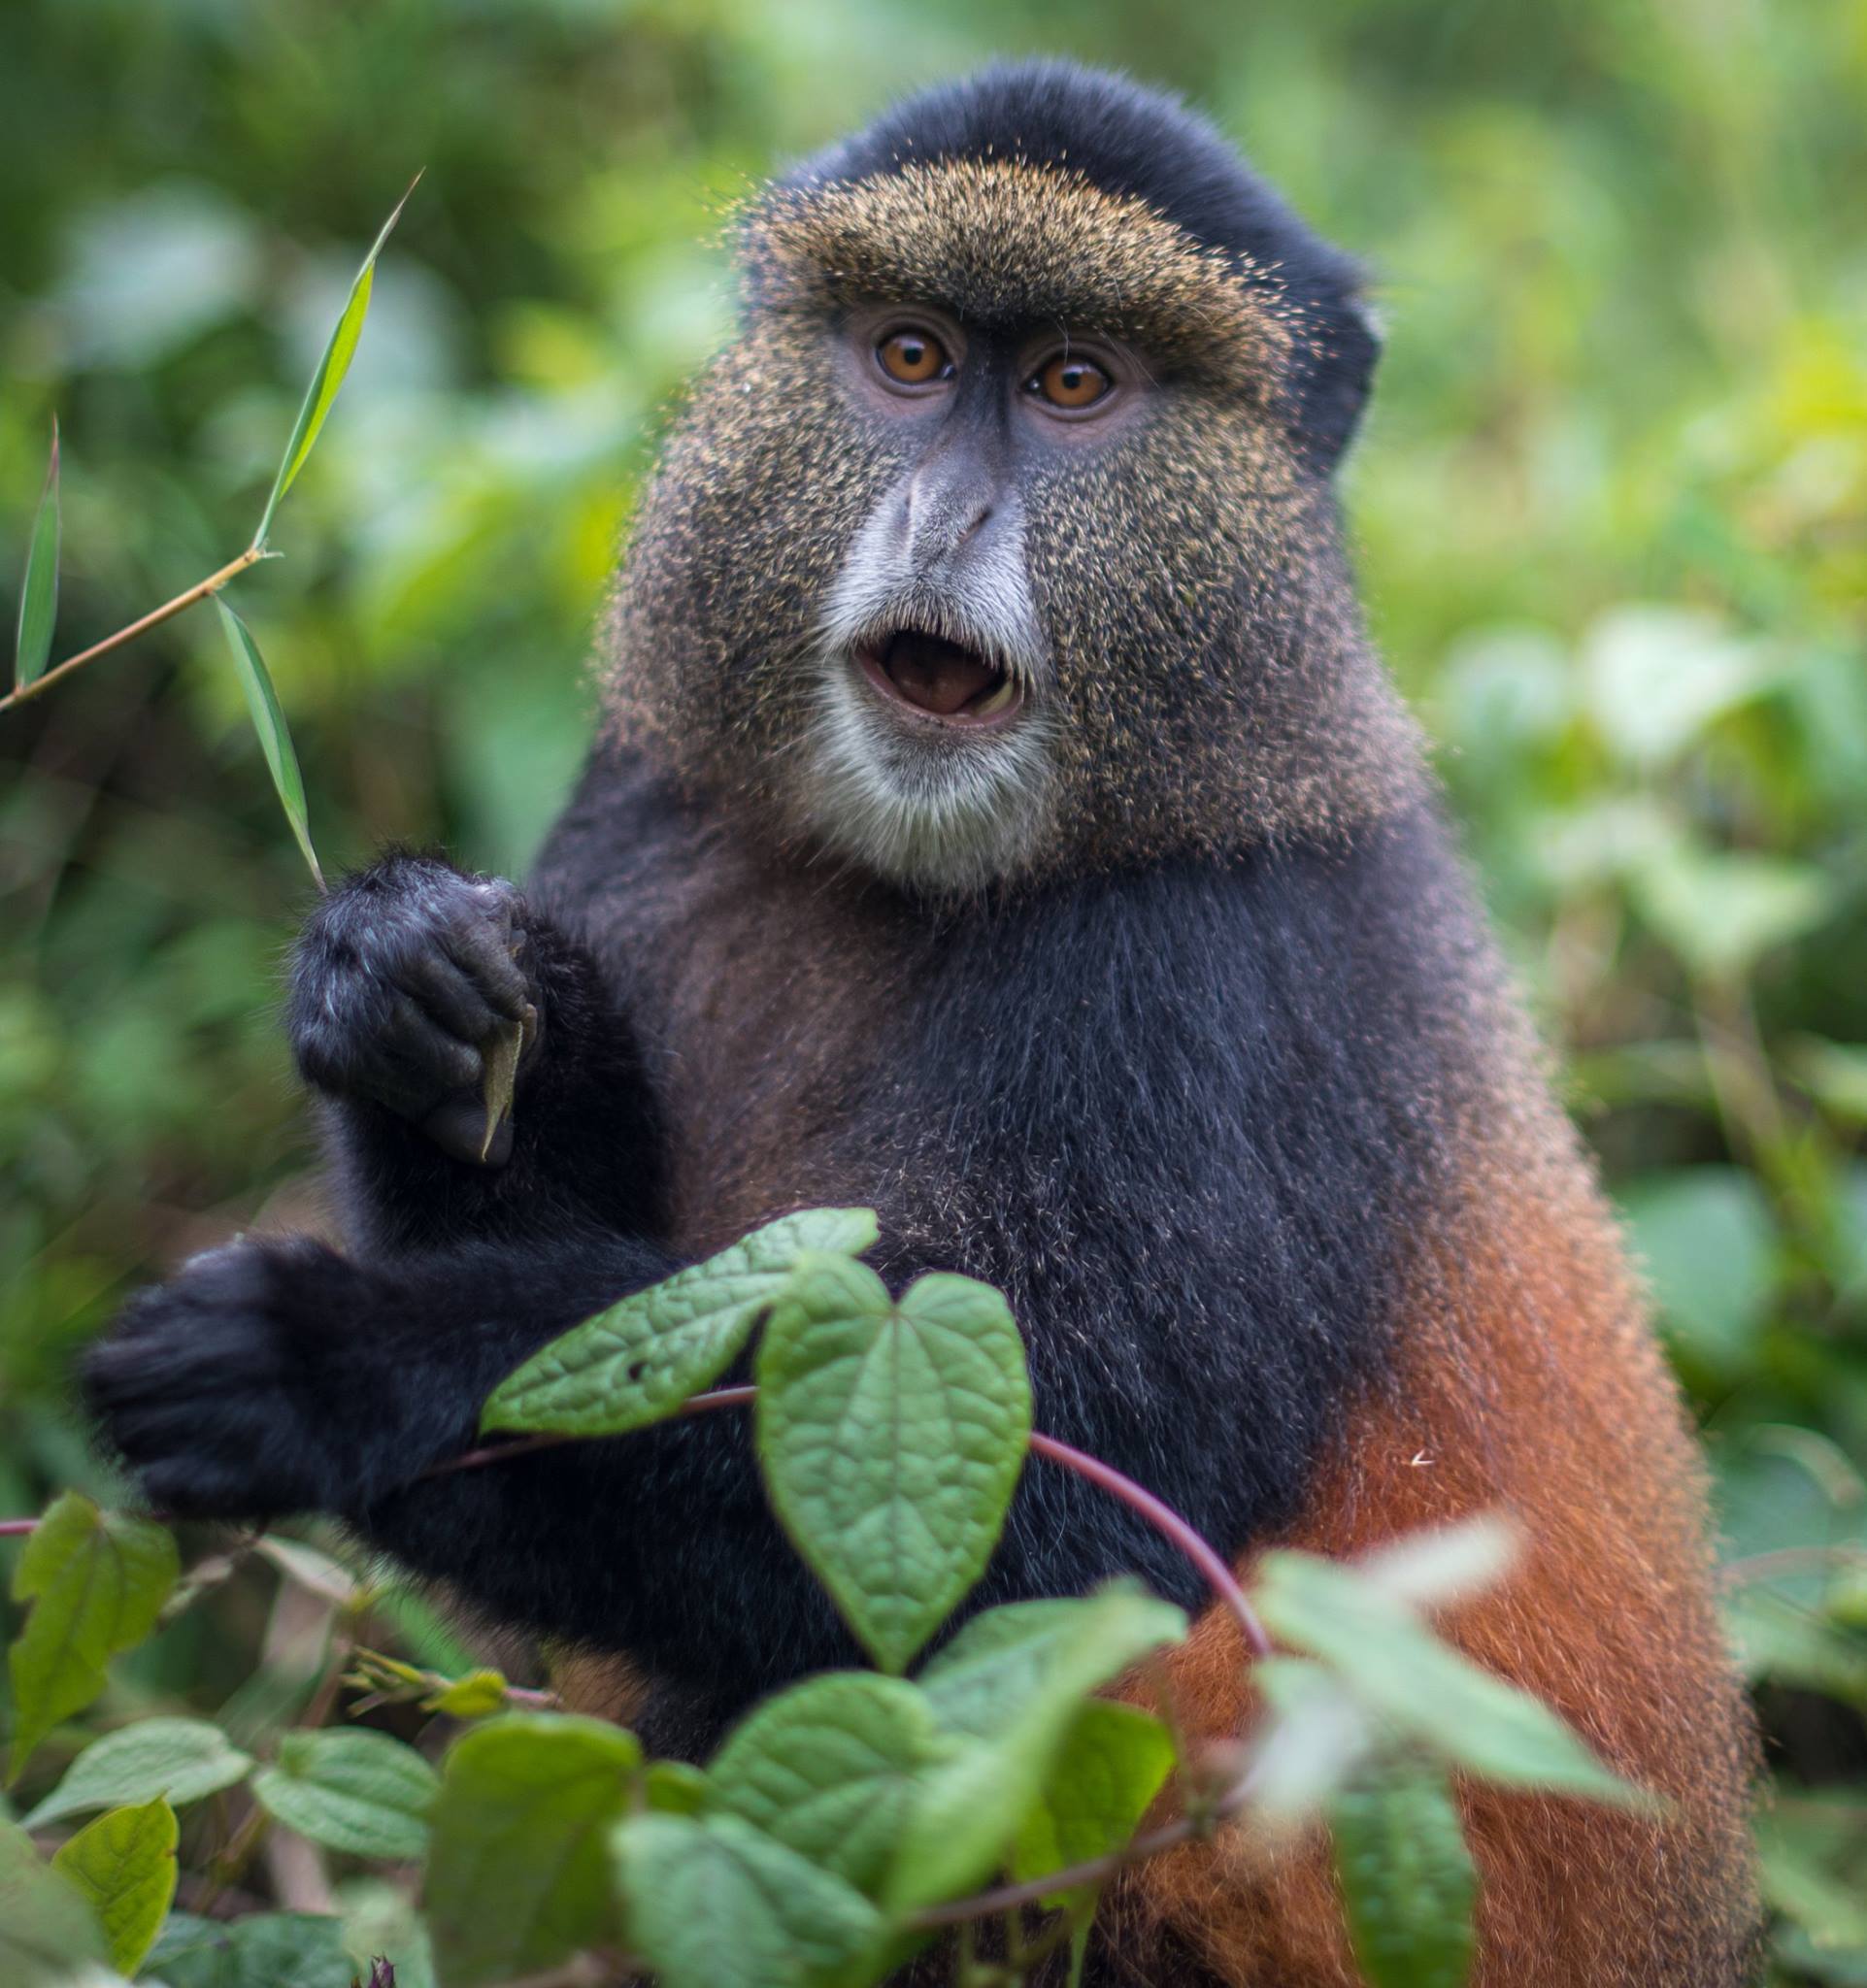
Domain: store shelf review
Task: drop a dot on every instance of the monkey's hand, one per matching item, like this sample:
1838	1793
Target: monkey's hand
413	988
266	1377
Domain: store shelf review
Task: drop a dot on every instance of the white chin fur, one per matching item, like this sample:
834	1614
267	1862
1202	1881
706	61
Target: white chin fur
944	815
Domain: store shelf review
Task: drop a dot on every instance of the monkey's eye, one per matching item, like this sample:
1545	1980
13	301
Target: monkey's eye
1070	382
913	357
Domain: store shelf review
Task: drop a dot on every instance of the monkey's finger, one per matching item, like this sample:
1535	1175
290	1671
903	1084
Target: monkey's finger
418	1062
485	950
450	997
458	1127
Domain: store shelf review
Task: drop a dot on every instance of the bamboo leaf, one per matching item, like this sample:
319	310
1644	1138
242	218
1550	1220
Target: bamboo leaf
39	591
331	368
269	721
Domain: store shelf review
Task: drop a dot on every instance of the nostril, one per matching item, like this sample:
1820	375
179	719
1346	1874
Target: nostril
979	518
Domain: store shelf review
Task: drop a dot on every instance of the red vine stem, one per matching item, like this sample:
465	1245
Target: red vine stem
1166	1521
1159	1514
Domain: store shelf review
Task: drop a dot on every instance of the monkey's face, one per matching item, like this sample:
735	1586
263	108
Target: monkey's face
994	543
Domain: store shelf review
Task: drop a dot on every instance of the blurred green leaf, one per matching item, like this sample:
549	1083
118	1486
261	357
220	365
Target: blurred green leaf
180	1760
275	740
97	1581
637	1362
891	1436
362	1793
1408	1883
1722	913
1707	1238
1657	676
39	591
1400	1669
714	1904
827	1769
124	1865
329	377
1114	1761
381	1920
519	1875
270	1950
47	1925
1008	1689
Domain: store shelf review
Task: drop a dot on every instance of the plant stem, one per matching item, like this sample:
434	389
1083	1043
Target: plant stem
1166	1521
1755	1567
1095	1872
154	619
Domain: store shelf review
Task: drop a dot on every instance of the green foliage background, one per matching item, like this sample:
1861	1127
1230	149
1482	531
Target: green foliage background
1611	512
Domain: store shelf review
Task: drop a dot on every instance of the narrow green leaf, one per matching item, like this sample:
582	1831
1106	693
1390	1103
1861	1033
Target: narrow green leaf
827	1769
1008	1690
637	1362
180	1760
269	721
519	1870
271	1950
331	369
47	1929
716	1903
97	1581
1394	1663
502	1075
39	590
891	1436
1113	1763
1408	1883
124	1864
359	1792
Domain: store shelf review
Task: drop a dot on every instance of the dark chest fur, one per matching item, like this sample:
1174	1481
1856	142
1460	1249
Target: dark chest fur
1186	1117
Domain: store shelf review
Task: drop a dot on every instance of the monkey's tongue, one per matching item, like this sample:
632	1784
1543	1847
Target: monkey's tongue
937	675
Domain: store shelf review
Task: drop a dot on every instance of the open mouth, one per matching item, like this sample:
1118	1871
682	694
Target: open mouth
941	679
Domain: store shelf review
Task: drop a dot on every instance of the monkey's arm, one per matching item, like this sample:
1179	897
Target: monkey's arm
402	982
274	1376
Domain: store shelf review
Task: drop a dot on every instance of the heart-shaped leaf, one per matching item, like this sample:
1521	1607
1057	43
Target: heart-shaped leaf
827	1769
637	1362
714	1904
97	1581
891	1436
519	1872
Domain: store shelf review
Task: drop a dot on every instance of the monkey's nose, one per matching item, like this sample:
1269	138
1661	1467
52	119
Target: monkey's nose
946	504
